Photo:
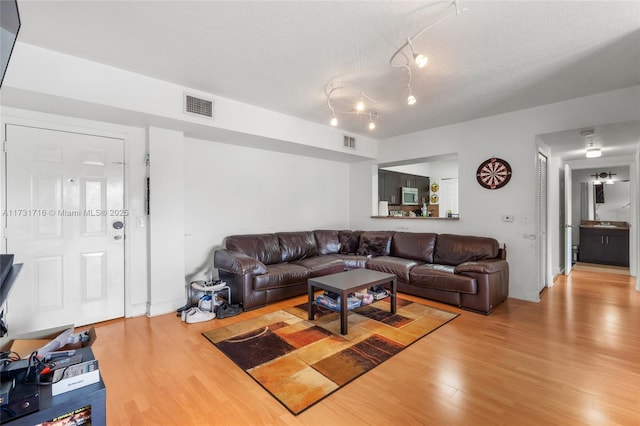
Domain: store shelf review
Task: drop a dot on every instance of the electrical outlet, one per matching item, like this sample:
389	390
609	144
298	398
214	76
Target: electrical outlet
507	218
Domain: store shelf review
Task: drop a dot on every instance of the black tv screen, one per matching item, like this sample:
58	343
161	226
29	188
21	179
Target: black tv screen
9	27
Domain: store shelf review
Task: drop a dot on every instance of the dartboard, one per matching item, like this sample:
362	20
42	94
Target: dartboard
494	173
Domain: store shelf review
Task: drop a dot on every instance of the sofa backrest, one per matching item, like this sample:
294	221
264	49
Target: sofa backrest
263	247
414	245
457	249
297	245
327	241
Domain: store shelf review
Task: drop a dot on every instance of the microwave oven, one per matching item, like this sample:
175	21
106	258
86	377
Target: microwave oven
409	196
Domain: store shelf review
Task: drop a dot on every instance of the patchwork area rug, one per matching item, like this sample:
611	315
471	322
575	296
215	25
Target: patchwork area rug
300	361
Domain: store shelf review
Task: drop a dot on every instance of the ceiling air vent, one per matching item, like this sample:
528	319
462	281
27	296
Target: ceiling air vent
198	106
349	142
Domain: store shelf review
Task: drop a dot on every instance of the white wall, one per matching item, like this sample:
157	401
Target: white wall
236	190
512	137
166	221
65	84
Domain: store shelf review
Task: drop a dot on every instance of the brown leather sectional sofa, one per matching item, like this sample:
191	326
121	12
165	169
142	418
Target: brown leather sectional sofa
466	271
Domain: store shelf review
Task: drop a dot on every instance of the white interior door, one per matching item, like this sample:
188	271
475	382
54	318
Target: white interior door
448	196
567	220
64	220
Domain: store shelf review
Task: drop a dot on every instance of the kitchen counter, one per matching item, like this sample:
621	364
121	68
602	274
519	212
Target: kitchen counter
415	217
596	224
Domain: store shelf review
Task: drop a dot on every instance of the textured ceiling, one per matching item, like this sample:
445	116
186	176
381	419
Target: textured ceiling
496	57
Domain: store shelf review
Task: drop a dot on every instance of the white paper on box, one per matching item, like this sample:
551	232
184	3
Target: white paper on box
75	382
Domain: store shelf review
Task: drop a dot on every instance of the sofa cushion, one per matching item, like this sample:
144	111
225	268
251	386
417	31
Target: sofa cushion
351	261
457	249
393	265
264	247
375	243
281	275
438	277
321	265
297	245
414	245
349	241
328	242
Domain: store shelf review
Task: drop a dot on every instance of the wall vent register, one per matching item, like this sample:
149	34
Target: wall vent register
350	142
198	106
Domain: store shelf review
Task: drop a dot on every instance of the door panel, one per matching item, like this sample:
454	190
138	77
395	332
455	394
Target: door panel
64	191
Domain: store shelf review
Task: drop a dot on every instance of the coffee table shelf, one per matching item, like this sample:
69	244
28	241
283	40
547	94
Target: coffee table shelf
347	282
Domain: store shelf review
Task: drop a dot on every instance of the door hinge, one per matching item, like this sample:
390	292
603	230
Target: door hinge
5	232
4	146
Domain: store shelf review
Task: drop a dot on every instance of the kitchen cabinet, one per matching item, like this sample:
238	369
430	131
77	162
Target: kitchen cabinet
423	183
607	246
390	184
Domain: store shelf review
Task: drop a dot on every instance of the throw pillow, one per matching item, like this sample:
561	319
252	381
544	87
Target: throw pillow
375	244
349	241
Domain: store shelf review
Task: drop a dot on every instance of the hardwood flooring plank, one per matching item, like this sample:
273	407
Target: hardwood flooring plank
570	359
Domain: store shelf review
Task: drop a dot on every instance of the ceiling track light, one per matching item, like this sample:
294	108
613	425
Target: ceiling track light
411	100
360	107
419	59
372	124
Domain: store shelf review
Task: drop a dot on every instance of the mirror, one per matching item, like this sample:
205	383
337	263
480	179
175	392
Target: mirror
436	179
615	194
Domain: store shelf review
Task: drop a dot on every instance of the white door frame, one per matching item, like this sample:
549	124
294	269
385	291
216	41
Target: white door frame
135	245
567	225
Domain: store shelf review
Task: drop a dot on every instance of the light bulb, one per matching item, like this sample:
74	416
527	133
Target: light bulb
372	125
360	106
593	152
411	100
421	60
334	121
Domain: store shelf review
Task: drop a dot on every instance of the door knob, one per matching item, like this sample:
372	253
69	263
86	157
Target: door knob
117	237
118	224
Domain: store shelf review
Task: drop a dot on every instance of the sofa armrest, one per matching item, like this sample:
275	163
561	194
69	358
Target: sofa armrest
237	263
487	266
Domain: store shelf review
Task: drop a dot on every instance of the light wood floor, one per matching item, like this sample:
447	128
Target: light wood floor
572	359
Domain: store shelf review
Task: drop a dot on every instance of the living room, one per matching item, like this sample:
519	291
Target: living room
254	170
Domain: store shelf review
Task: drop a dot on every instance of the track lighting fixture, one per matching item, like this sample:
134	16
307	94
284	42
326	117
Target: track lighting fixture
406	56
342	106
411	100
372	124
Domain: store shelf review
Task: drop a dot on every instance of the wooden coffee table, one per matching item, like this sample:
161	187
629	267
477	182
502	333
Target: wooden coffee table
347	282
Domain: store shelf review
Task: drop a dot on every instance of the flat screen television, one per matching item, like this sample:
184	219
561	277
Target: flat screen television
9	27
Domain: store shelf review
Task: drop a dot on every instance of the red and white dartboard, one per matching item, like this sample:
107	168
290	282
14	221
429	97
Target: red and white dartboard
494	173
